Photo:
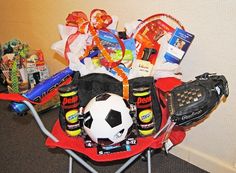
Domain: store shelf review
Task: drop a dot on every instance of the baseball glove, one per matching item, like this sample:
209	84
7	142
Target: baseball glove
192	101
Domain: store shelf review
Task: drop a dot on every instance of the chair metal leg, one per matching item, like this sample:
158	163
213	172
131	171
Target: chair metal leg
51	136
81	161
149	160
127	163
70	164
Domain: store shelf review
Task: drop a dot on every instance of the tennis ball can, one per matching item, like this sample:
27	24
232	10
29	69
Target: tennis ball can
145	116
70	107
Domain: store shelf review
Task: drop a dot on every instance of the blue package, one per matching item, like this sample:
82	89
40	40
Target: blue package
39	91
178	46
111	44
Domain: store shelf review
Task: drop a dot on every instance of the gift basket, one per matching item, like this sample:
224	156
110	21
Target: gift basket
21	67
122	94
13	59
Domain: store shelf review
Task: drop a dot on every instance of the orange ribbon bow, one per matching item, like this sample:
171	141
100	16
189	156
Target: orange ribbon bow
99	20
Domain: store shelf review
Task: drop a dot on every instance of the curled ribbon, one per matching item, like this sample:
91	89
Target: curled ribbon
99	20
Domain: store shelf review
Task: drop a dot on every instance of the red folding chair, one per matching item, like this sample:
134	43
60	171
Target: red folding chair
75	145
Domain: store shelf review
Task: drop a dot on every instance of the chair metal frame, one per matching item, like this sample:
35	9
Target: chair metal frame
74	156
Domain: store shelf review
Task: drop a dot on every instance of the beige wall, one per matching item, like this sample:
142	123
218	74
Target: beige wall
212	144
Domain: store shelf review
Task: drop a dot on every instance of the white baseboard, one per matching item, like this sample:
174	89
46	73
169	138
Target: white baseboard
202	160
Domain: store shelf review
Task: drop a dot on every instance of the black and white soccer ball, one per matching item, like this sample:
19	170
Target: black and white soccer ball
107	120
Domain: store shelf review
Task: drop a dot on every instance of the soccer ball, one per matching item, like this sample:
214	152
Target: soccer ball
107	120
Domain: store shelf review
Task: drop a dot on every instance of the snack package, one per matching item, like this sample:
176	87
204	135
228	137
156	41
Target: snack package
113	47
152	35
